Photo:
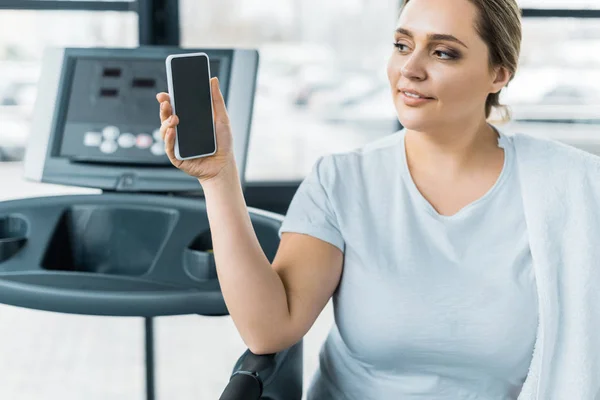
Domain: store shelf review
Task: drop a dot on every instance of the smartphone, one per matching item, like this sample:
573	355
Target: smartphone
188	80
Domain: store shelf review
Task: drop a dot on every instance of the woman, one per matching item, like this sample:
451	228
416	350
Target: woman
420	237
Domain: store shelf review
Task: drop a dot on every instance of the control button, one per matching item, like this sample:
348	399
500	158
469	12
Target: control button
143	141
92	139
110	132
158	149
109	147
156	135
126	140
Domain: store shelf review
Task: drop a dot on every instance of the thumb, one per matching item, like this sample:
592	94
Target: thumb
219	109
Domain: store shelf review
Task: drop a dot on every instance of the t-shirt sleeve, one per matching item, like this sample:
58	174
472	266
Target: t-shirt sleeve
311	211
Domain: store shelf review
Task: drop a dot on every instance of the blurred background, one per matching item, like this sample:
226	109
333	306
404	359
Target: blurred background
322	82
322	88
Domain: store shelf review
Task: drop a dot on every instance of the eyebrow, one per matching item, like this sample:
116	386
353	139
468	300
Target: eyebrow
432	36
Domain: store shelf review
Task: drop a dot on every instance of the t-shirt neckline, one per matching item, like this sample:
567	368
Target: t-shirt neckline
502	142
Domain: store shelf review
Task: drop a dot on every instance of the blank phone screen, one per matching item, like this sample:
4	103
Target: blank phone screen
191	95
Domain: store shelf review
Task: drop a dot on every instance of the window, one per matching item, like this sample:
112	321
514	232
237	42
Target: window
115	5
322	84
556	90
560	4
23	36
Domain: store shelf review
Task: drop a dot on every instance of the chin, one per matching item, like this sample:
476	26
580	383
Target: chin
414	122
411	117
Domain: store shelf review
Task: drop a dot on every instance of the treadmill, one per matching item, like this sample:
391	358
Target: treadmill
143	246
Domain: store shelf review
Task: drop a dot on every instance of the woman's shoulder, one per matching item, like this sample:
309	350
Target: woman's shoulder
364	155
366	165
552	151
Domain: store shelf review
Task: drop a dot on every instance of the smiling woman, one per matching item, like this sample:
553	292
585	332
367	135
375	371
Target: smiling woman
450	62
437	298
457	67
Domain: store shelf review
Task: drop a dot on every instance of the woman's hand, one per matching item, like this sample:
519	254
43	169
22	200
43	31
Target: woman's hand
204	168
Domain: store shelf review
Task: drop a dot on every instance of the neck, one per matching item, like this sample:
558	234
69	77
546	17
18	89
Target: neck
450	152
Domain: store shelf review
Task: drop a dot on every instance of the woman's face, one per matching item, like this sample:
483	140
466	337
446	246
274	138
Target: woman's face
453	70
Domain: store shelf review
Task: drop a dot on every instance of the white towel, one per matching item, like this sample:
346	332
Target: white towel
561	200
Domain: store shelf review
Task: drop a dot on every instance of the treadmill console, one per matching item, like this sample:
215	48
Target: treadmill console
96	119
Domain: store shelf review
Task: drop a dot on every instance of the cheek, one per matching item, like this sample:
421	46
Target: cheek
460	86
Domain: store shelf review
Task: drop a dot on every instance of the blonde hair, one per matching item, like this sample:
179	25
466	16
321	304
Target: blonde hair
499	26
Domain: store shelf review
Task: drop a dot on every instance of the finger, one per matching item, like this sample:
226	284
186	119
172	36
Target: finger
170	147
167	124
165	110
220	111
162	96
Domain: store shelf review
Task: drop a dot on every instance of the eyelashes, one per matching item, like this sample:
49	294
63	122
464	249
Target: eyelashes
451	55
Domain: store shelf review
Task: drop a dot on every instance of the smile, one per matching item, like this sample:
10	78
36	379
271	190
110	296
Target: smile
416	96
411	100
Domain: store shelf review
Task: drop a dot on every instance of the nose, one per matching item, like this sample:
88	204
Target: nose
413	69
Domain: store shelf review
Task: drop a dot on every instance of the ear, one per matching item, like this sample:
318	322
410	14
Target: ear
501	77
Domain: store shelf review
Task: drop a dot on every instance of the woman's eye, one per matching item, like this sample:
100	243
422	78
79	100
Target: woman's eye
398	46
449	55
446	55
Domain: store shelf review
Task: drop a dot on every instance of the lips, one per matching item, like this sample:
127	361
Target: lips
414	92
414	101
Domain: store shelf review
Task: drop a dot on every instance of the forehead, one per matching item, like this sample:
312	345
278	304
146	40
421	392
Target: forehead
453	17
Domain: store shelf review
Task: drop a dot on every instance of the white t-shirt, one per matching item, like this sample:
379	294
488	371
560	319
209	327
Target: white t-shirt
429	306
